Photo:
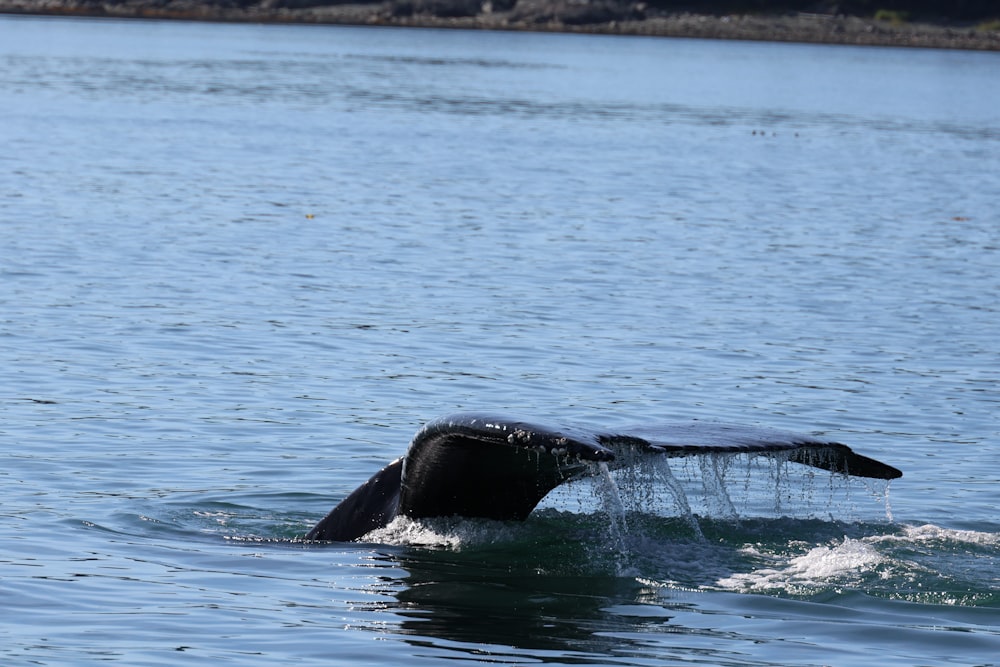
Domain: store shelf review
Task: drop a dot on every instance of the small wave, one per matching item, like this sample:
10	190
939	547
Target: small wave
922	563
784	556
817	568
931	533
442	533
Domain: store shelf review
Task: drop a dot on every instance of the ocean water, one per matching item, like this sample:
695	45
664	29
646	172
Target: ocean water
240	265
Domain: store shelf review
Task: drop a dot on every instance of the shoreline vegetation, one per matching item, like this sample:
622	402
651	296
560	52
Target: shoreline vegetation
860	23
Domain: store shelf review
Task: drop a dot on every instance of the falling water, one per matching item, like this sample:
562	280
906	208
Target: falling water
770	486
645	477
666	477
611	499
714	484
879	488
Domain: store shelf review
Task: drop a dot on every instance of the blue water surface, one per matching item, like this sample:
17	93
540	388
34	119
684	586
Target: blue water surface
240	265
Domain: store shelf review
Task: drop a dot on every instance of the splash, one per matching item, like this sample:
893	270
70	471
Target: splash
842	561
929	533
451	533
924	563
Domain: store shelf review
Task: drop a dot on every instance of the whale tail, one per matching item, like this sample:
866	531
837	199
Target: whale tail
372	505
493	467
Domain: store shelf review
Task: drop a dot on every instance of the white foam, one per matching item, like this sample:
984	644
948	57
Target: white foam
848	559
931	533
441	533
820	565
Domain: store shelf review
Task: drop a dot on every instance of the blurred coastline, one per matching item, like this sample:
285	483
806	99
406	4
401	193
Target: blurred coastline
616	17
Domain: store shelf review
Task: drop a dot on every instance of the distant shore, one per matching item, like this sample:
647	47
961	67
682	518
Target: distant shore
614	17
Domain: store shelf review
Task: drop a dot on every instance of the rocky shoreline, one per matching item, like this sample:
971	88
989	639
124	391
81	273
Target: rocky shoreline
617	17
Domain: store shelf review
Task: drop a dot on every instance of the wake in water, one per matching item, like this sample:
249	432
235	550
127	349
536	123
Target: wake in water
914	563
689	506
729	522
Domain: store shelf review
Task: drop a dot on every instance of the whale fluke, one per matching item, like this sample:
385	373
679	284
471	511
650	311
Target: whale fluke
693	438
494	467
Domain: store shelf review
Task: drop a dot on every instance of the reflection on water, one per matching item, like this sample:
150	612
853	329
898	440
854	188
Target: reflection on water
525	614
511	598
